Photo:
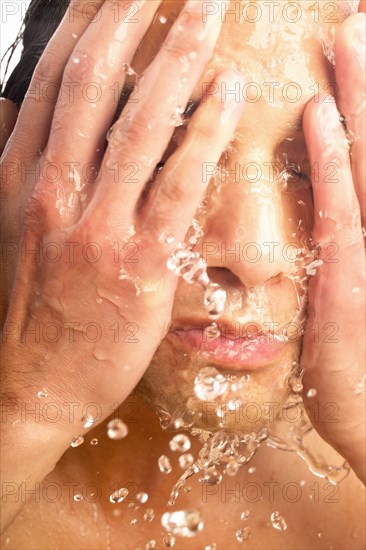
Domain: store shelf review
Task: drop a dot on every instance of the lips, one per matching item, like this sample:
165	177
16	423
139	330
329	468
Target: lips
234	353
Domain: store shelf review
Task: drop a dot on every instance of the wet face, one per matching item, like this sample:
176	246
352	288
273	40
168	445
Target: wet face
256	222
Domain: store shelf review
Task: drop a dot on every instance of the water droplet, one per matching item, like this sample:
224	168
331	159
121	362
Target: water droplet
232	467
278	522
187	264
214	300
78	498
177	118
163	19
209	384
212	546
133	521
77	440
149	515
243	534
195	232
251	470
244	515
164	464
169	540
42	393
142	497
360	387
166	239
87	421
212	332
94	441
185	461
118	496
312	392
126	67
180	443
117	429
295	380
184	523
212	476
313	266
151	544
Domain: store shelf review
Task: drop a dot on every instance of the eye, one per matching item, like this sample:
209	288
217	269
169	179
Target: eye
292	176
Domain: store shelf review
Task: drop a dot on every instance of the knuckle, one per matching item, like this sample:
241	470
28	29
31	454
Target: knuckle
202	132
80	67
131	131
172	190
45	68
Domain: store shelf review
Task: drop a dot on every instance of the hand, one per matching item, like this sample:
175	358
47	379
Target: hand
334	342
90	307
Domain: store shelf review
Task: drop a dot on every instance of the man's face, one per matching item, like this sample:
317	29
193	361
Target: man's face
256	220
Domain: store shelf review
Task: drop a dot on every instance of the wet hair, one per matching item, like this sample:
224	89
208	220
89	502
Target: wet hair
41	20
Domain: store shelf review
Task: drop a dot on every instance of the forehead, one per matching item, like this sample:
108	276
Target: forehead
279	46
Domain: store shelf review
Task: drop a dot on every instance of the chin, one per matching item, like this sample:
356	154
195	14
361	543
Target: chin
252	399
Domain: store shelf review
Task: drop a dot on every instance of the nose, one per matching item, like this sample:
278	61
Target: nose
244	230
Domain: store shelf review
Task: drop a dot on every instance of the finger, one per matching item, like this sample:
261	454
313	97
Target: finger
337	211
337	291
96	70
351	79
8	118
143	132
79	124
182	182
37	109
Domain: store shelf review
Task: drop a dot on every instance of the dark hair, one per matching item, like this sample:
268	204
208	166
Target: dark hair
40	22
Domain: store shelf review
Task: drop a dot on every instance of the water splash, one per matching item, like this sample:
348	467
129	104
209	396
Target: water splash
149	515
189	265
164	464
180	443
77	441
209	384
118	496
142	497
185	523
219	449
278	522
117	429
169	540
185	461
243	534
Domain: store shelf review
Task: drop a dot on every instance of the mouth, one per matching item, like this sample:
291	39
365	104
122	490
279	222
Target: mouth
228	347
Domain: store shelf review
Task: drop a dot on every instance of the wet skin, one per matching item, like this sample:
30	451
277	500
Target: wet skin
261	138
